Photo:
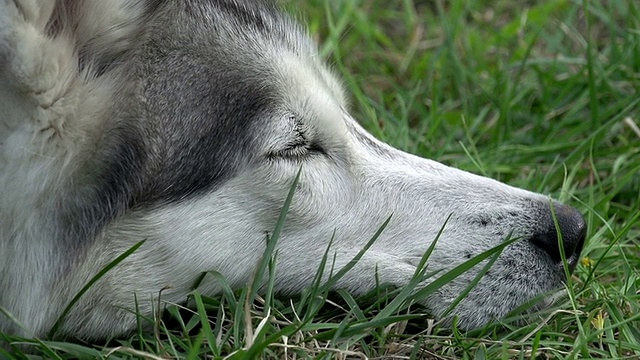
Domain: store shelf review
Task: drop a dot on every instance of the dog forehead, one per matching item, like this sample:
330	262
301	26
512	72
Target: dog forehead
242	29
210	78
252	44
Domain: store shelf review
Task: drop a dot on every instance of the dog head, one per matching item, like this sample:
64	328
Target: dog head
184	123
252	104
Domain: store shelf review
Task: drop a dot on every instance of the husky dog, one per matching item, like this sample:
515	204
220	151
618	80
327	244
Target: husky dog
184	123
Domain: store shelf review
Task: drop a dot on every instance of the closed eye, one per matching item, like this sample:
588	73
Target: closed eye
315	147
300	144
299	150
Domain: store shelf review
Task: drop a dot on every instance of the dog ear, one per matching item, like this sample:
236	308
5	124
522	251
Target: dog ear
101	29
52	57
35	69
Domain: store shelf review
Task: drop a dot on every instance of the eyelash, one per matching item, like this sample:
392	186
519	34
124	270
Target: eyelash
296	150
299	150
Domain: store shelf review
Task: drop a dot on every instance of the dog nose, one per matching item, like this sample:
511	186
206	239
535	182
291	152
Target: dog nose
572	226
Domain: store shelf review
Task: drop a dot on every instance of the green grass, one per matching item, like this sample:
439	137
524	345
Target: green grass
542	95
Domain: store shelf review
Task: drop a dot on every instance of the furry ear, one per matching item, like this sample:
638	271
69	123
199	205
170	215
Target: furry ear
52	53
101	29
36	70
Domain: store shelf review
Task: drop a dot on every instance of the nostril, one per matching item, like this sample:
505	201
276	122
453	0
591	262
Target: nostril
572	226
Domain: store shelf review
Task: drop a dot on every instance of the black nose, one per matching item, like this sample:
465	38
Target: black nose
572	227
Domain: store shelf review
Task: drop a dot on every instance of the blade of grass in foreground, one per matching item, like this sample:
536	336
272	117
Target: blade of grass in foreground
323	289
316	295
418	277
460	269
89	284
204	321
473	283
273	240
267	261
385	316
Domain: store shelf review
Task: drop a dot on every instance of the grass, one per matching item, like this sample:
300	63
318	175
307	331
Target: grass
542	95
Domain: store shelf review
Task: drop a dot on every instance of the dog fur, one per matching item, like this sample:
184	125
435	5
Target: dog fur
183	123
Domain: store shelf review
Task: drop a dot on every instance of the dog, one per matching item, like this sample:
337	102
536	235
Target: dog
184	124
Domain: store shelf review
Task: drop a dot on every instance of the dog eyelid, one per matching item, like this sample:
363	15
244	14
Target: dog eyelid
301	149
300	145
298	149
